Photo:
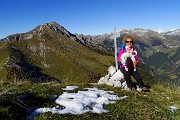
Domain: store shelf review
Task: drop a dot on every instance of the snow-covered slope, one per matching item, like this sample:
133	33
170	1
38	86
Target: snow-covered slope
170	32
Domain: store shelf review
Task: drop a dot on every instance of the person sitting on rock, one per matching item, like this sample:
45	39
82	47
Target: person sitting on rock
129	68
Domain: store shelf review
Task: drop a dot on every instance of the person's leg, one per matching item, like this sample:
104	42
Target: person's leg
127	77
138	78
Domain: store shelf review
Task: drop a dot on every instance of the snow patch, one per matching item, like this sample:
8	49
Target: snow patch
173	108
91	100
70	88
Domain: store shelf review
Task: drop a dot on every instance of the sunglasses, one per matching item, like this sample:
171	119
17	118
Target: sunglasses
129	41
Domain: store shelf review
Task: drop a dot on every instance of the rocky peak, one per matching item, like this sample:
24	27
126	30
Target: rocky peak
52	26
39	30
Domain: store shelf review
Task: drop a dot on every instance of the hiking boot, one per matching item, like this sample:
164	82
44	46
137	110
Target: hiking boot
145	89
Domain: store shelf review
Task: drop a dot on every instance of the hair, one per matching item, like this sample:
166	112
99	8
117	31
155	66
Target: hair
126	37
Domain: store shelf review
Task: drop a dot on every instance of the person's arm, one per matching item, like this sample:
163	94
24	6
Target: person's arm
119	55
136	57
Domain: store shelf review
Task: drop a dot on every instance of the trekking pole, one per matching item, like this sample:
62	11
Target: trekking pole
115	48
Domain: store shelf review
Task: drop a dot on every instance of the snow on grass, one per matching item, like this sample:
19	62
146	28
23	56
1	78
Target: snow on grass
91	100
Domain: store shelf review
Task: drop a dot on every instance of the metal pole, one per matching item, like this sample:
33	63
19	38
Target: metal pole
115	48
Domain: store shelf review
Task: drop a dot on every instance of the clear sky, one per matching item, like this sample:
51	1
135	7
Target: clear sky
88	16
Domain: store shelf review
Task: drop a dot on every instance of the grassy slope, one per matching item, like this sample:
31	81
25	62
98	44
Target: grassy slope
4	57
61	57
167	64
152	105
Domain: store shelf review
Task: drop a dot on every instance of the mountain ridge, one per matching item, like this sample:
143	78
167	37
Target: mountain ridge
55	55
38	31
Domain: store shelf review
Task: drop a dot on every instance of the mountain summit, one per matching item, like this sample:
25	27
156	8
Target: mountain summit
39	30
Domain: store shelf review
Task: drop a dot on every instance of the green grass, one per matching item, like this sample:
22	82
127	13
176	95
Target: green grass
151	105
59	57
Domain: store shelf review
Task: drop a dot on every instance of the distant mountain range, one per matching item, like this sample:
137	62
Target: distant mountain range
170	32
158	48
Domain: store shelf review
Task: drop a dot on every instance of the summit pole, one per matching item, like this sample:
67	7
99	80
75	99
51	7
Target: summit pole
115	48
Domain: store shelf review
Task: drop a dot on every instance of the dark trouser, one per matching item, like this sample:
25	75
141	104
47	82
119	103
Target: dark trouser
135	74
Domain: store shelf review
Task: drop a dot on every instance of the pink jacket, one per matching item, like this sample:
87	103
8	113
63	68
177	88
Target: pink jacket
123	50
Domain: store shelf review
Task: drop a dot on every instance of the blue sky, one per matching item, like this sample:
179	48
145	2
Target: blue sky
88	16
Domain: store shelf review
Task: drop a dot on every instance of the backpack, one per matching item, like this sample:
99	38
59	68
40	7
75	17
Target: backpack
122	46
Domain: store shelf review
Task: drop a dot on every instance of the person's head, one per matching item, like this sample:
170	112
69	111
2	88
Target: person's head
129	41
